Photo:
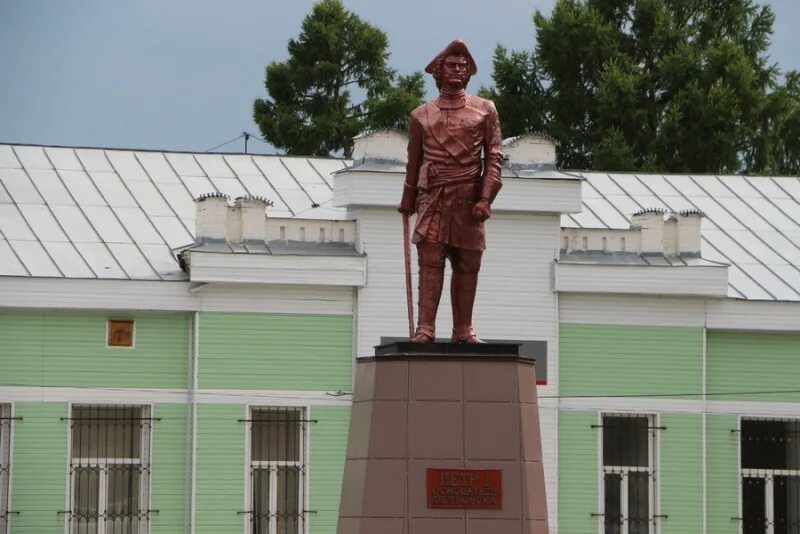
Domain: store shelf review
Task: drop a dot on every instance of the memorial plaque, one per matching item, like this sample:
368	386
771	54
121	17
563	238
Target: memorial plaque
465	488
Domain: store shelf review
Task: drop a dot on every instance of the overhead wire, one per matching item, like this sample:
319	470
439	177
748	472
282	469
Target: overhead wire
247	136
273	395
226	142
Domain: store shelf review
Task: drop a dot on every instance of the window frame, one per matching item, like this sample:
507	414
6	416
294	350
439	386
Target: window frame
145	459
302	463
654	513
767	474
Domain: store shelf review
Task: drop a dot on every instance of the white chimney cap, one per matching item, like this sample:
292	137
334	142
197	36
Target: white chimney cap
530	149
381	144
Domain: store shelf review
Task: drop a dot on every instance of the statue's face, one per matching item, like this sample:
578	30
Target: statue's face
454	72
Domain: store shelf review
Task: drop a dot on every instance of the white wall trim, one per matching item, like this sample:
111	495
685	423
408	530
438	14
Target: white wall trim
665	405
383	189
278	269
172	396
132	295
695	281
659	310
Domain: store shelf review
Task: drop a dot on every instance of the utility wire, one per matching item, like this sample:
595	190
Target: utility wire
247	136
226	142
657	395
254	136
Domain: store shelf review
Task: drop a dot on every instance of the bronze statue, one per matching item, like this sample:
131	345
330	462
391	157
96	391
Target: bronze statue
450	190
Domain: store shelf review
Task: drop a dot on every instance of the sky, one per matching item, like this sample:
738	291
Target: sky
183	75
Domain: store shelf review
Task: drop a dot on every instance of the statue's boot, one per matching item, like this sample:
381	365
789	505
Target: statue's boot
462	295
431	280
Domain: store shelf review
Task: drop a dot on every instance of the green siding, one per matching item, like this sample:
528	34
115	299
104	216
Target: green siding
681	474
66	349
168	490
739	362
629	360
723	473
39	468
220	469
577	472
327	453
262	351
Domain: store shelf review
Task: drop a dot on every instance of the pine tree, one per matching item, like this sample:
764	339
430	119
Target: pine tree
669	85
310	109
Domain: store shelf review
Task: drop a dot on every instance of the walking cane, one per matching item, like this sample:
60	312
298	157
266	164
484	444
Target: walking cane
409	292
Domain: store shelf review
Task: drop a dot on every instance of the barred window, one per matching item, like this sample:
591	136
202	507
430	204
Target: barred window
277	470
770	457
628	447
109	469
5	464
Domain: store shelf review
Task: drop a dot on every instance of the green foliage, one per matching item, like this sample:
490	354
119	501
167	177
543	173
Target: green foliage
519	95
657	85
310	109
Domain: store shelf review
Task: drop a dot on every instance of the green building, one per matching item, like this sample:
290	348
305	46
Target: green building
173	362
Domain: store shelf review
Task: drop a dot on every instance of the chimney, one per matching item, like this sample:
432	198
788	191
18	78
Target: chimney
211	216
651	224
381	144
245	220
537	150
252	218
688	223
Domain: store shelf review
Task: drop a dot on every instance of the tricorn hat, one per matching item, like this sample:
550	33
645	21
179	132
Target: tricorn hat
456	48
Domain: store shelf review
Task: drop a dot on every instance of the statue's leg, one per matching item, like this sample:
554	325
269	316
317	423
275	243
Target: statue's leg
463	285
431	279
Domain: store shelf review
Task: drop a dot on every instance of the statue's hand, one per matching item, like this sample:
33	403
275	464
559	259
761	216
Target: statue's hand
481	211
409	201
405	210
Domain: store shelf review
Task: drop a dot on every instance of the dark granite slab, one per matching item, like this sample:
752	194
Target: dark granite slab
406	348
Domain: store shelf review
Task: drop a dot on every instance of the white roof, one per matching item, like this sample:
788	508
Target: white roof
105	213
119	214
751	222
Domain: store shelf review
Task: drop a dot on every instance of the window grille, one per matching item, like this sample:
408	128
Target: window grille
628	481
5	464
277	485
109	469
770	462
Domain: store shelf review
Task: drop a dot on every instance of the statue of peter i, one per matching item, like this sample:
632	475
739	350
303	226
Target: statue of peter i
451	189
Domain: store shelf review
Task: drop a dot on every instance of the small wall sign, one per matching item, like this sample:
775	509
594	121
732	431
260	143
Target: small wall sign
465	488
120	333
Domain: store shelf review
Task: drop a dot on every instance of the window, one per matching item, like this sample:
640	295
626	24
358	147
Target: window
277	471
628	489
109	469
770	453
5	464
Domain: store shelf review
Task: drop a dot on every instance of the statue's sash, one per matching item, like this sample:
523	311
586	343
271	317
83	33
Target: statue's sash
445	137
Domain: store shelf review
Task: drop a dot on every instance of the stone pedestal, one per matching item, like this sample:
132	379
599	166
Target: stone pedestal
464	409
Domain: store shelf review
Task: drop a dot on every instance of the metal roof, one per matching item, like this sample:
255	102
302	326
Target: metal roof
598	257
106	213
121	214
276	247
751	222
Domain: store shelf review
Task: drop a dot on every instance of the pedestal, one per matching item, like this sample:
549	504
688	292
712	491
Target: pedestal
444	439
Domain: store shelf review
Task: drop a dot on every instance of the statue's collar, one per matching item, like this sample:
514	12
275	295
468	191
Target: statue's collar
452	100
